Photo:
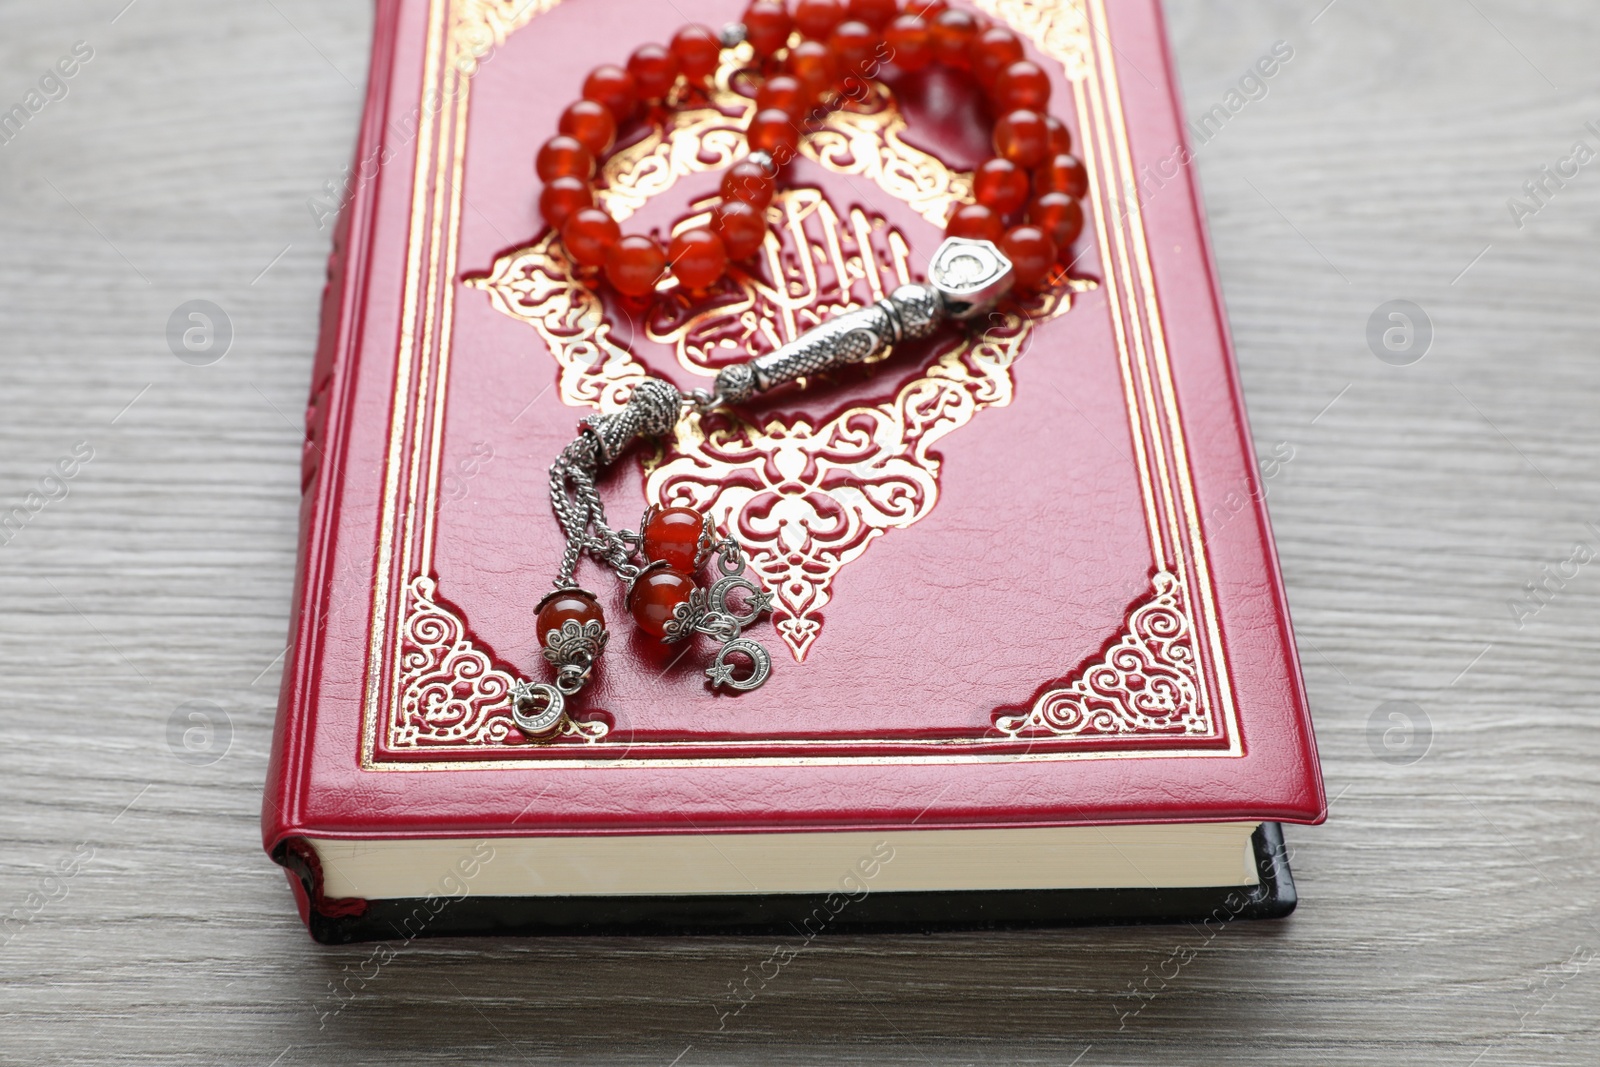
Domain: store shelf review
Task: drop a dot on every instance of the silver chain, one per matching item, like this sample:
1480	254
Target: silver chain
576	501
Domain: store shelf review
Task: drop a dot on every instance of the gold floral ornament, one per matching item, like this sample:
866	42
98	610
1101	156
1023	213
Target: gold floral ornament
481	26
805	496
452	692
1147	683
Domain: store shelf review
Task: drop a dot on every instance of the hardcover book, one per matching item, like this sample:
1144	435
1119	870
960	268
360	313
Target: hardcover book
1032	660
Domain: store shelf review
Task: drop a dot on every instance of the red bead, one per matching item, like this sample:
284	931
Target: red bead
766	26
614	87
635	264
1001	185
672	536
742	228
698	51
564	157
654	69
1061	174
588	234
558	608
992	51
910	44
1021	137
953	32
1060	137
749	182
655	595
854	45
875	13
814	66
785	93
926	11
976	222
591	125
561	197
1022	86
1058	215
1032	254
774	132
698	258
817	18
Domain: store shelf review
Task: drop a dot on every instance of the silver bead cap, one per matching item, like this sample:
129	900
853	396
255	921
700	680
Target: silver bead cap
972	276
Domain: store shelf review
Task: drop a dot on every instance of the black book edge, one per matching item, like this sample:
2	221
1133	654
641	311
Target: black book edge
808	914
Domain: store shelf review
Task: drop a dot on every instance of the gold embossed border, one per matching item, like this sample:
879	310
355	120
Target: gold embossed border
460	34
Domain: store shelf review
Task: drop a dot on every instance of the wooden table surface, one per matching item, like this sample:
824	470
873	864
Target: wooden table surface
1448	908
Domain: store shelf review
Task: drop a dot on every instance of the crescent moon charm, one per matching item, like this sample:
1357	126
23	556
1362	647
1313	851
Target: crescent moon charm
758	603
721	671
537	708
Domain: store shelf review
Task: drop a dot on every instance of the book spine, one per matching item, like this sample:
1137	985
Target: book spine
331	383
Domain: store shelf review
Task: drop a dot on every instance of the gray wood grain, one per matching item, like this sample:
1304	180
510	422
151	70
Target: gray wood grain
1449	904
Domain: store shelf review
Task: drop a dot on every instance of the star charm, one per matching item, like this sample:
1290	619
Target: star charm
720	674
522	692
759	603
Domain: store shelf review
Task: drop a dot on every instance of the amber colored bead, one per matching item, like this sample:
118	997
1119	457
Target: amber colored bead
854	45
784	92
635	264
1060	136
655	595
698	52
565	605
749	182
672	536
766	26
741	226
561	197
1058	215
591	125
1032	254
588	234
992	51
774	132
813	64
697	258
564	157
953	32
1061	174
976	222
909	41
875	13
1022	86
1021	137
654	69
1001	185
817	18
614	87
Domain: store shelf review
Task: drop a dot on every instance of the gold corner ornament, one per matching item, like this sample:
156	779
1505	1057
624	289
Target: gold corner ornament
452	692
480	26
1147	683
806	497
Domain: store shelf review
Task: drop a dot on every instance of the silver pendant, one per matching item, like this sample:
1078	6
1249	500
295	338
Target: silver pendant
966	279
721	672
537	708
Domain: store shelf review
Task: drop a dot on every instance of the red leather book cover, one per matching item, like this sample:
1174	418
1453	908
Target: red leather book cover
1022	575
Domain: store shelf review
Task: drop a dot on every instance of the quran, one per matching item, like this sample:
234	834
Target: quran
1031	659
